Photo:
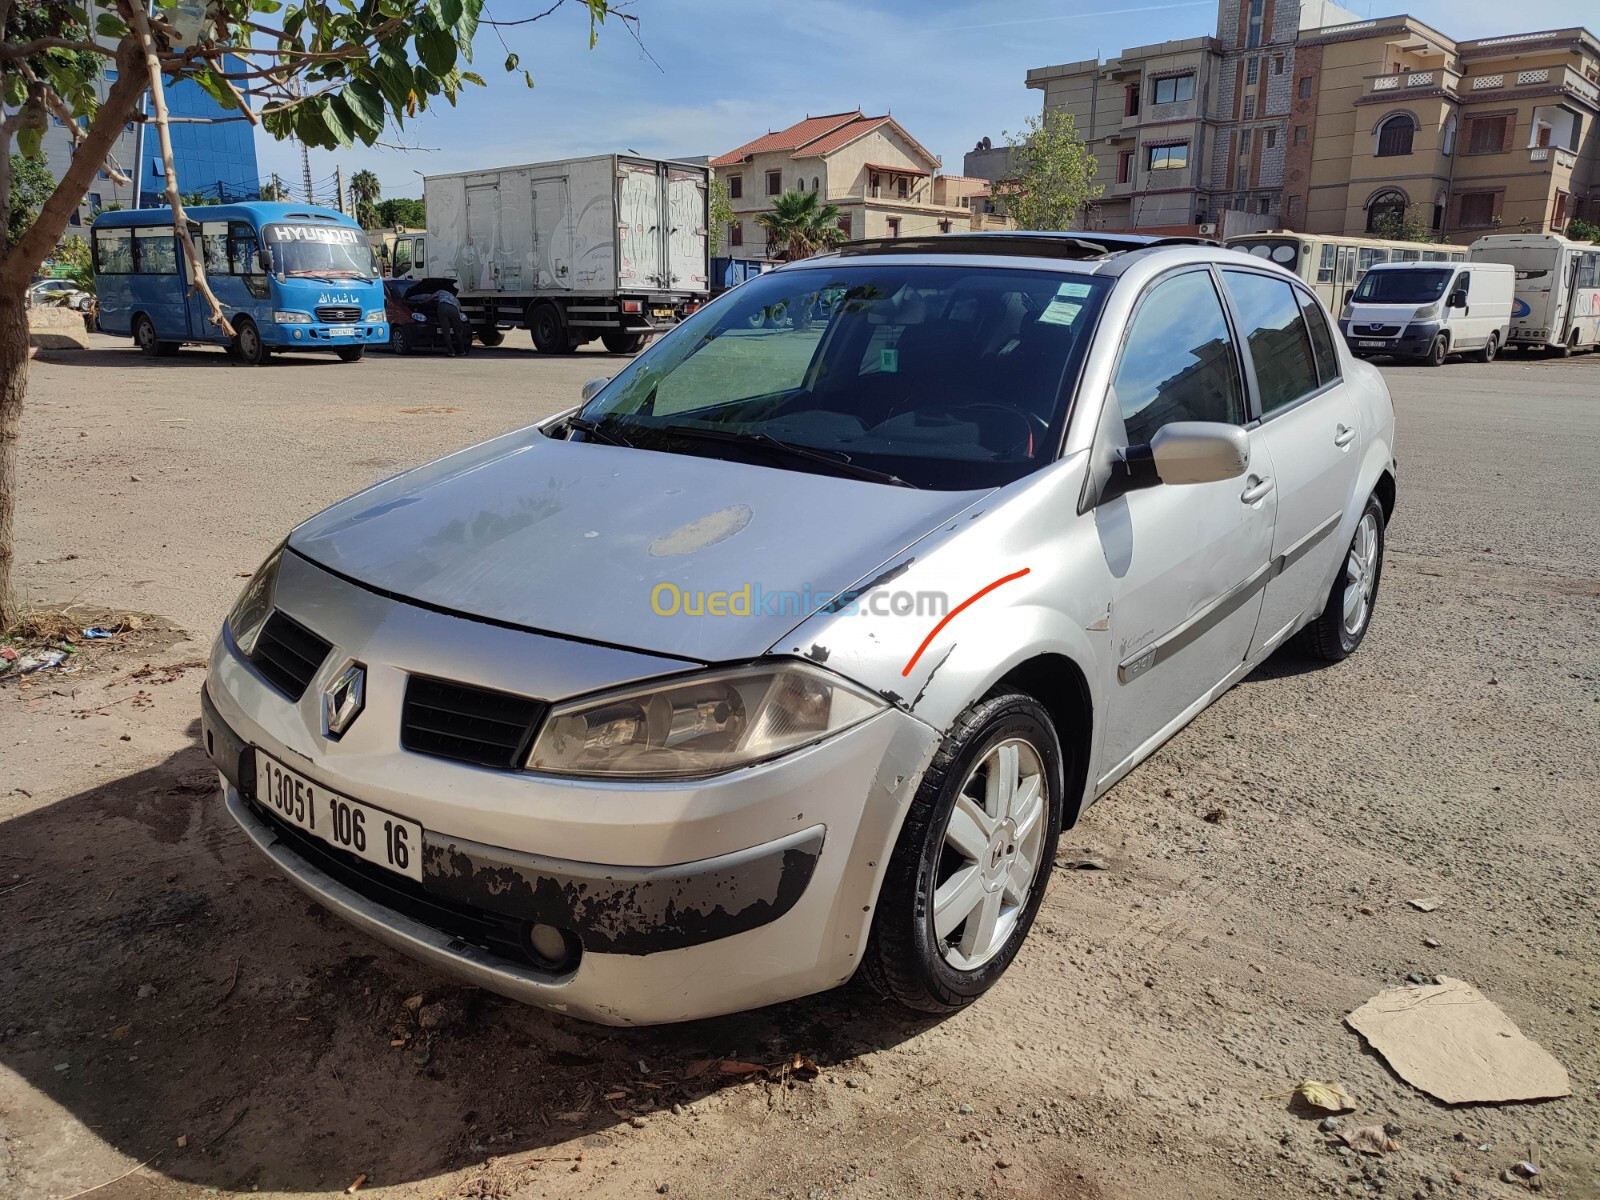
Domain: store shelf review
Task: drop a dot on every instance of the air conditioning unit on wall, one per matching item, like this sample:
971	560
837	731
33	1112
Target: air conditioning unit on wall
1208	230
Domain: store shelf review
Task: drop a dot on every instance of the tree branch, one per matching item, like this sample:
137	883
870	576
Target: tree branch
17	51
180	222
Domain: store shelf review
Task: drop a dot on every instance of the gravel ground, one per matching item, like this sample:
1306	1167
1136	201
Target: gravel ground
172	1010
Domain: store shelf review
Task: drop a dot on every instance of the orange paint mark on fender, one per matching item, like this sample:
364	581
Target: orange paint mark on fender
954	612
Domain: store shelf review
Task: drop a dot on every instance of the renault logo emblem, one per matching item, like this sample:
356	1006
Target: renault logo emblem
343	700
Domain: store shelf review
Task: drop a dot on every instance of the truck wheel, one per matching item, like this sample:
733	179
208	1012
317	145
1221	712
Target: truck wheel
248	347
1490	349
350	353
489	335
549	330
619	341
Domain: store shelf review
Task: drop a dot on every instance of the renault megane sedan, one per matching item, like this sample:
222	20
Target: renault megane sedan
790	652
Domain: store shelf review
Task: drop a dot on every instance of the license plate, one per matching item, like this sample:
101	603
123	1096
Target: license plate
342	330
379	837
1372	345
661	312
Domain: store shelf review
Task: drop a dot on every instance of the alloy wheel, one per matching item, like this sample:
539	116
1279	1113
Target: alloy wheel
991	852
1360	575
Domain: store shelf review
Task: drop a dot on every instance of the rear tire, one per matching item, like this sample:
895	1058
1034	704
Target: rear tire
1490	349
549	330
1345	619
489	335
144	336
980	836
248	347
1562	349
1438	352
350	353
618	341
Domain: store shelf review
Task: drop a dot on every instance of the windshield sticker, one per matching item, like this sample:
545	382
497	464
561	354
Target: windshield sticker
1072	291
1060	312
329	234
889	360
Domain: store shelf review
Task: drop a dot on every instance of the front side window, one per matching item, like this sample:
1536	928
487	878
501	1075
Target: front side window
242	248
1280	344
320	252
1174	89
947	377
1178	362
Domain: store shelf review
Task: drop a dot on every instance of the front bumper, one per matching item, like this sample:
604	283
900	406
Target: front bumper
1413	341
323	337
686	899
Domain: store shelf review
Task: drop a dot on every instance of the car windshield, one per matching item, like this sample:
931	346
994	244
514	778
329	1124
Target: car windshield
320	251
1404	287
948	377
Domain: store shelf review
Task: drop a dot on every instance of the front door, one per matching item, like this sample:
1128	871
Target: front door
1312	429
230	250
552	233
1187	562
483	238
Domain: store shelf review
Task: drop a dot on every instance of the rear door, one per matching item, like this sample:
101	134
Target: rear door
686	230
642	263
1311	427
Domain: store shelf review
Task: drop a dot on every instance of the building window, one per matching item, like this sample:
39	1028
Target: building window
844	224
111	74
1258	13
1263	204
735	187
1174	89
1246	140
875	183
1486	135
894	226
1558	214
1252	69
1168	158
1272	138
1477	210
1304	87
1277	64
902	187
736	234
1389	204
94	203
1249	108
944	226
1395	135
1130	101
1301	135
1447	135
774	183
1125	167
816	184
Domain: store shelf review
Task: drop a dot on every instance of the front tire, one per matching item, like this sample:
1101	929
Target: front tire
248	347
974	856
1347	616
350	353
1438	352
549	331
1490	349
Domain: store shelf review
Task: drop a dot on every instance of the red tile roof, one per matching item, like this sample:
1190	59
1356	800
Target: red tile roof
842	136
792	138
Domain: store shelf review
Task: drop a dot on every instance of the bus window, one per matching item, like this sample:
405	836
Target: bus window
1407	256
1589	271
113	252
1325	268
154	252
242	247
214	246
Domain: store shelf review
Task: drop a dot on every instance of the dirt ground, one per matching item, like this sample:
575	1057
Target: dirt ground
178	1020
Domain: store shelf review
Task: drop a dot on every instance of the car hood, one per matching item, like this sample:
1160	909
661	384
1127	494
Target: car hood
603	542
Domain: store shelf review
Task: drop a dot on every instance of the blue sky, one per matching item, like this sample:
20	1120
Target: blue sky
720	72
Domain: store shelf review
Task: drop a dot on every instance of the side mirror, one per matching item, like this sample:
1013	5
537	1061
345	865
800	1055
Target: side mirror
264	261
1457	300
1187	452
592	388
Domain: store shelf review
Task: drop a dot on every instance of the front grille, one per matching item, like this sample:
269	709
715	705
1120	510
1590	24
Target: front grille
288	654
503	936
468	724
1378	330
338	314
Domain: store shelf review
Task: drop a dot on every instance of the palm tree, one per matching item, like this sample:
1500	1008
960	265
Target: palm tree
800	225
274	189
364	193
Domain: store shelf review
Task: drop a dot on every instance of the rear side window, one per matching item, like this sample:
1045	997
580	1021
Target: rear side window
1322	344
1269	315
1178	363
113	251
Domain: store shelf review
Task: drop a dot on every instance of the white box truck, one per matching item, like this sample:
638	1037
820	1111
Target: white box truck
610	247
1558	289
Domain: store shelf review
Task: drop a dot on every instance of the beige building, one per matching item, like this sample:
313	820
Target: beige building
1498	134
884	182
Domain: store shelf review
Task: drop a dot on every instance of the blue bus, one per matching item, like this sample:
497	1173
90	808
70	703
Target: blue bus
289	277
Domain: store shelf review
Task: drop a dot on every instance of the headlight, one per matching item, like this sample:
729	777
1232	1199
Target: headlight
376	314
254	606
699	725
291	318
1426	314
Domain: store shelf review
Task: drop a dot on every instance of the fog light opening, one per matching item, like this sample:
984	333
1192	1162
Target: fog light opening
553	949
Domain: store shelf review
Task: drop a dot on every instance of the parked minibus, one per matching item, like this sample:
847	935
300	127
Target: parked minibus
1557	307
288	276
1332	264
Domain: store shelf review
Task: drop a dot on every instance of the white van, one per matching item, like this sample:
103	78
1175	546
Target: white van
1558	289
1430	311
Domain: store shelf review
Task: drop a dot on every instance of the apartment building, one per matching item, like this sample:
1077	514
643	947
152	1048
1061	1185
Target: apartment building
1184	130
884	182
1392	116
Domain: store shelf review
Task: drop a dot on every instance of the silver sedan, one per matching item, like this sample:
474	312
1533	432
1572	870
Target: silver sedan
792	650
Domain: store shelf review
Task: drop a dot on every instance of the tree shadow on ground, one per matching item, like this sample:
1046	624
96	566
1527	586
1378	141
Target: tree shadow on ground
163	980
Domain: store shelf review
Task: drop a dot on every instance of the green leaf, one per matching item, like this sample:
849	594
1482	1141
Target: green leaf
467	26
474	78
512	62
110	26
366	105
16	91
28	141
341	122
437	50
449	12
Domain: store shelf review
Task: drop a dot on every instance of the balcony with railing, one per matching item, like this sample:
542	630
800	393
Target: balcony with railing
1402	83
1482	87
1553	156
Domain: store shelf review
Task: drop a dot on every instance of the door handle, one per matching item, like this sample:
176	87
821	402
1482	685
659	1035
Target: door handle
1343	436
1257	490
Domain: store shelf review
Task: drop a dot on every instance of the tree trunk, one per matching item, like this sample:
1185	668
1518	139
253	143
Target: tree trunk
13	385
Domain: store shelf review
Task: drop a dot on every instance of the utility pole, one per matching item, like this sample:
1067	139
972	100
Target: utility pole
338	184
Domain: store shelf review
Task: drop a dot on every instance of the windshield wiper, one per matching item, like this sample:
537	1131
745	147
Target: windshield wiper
836	459
594	429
